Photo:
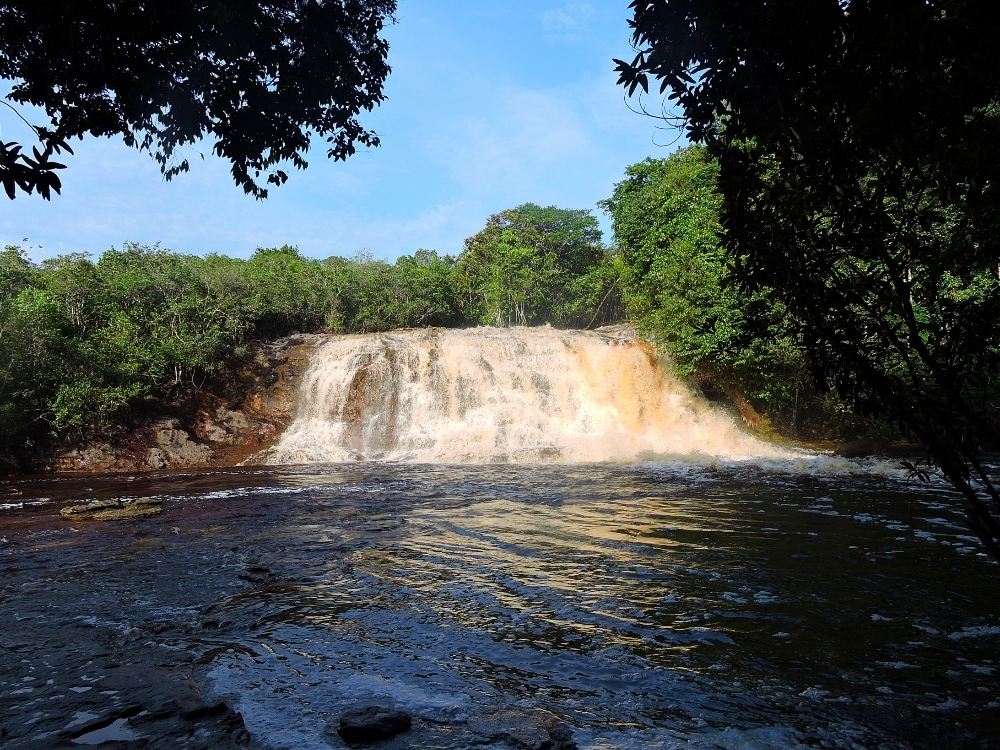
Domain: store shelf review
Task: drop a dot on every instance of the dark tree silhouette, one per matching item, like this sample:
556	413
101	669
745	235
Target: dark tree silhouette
260	78
859	152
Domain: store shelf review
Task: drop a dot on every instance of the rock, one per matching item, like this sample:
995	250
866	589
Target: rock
177	445
215	432
94	457
857	449
226	421
113	510
161	712
530	729
233	421
226	426
155	458
362	726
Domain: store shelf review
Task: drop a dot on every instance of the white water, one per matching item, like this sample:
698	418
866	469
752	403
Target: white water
490	395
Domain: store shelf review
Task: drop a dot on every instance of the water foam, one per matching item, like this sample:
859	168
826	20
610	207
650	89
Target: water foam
490	395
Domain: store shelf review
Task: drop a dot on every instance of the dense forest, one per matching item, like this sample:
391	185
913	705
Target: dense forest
83	342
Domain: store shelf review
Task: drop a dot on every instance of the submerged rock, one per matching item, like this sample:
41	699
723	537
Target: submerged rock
113	510
361	726
858	449
529	729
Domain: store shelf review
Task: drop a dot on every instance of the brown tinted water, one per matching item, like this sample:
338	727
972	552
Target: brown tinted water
661	605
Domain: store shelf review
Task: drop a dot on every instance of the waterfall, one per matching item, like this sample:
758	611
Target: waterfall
489	395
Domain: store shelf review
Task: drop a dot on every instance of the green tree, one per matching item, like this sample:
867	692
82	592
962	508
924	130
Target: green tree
286	291
535	265
859	153
503	271
262	78
415	291
665	216
25	330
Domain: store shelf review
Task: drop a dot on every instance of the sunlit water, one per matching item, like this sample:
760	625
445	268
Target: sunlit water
655	606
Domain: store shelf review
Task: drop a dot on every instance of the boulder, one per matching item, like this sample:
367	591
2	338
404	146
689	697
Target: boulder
362	726
176	444
94	457
227	426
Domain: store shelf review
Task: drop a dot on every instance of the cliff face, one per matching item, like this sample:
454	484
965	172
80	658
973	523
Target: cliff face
221	422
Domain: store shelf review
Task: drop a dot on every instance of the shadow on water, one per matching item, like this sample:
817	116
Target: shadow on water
653	606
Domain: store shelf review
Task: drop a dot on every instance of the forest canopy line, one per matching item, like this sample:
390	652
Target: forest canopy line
82	342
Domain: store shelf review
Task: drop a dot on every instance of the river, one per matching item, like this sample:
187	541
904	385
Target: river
659	605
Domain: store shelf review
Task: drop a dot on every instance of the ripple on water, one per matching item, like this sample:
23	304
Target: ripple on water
652	606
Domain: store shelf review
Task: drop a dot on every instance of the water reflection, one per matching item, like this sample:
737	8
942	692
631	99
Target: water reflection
648	606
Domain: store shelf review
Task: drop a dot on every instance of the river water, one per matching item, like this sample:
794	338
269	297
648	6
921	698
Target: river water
705	604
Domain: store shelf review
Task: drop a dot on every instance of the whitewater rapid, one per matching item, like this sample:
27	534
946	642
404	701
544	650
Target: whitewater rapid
502	395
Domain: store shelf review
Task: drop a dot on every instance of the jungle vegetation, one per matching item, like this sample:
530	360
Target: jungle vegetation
858	149
83	342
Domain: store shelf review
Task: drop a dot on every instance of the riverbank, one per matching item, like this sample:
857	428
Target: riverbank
220	421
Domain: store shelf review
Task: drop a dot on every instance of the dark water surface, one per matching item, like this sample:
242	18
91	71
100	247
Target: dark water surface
653	606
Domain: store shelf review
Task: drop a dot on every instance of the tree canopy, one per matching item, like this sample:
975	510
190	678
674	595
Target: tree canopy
262	78
533	265
85	343
665	216
859	163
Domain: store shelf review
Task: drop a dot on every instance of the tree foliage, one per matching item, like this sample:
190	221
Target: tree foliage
859	155
260	77
676	288
535	265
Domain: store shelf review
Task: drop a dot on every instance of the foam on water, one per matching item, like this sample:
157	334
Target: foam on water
515	395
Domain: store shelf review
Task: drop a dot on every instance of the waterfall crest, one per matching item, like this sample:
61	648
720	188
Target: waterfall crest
489	395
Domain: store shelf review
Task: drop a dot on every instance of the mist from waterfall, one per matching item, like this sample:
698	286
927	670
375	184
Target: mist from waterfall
495	395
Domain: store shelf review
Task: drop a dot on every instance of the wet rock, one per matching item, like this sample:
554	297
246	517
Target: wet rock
362	726
97	696
113	510
857	449
529	729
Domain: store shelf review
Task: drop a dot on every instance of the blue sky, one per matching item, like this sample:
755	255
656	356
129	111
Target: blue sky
489	105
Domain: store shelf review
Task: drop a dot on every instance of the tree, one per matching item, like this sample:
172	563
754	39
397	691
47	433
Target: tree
535	265
263	78
665	216
504	272
859	153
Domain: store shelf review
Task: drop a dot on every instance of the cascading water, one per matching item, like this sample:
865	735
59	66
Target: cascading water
493	395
